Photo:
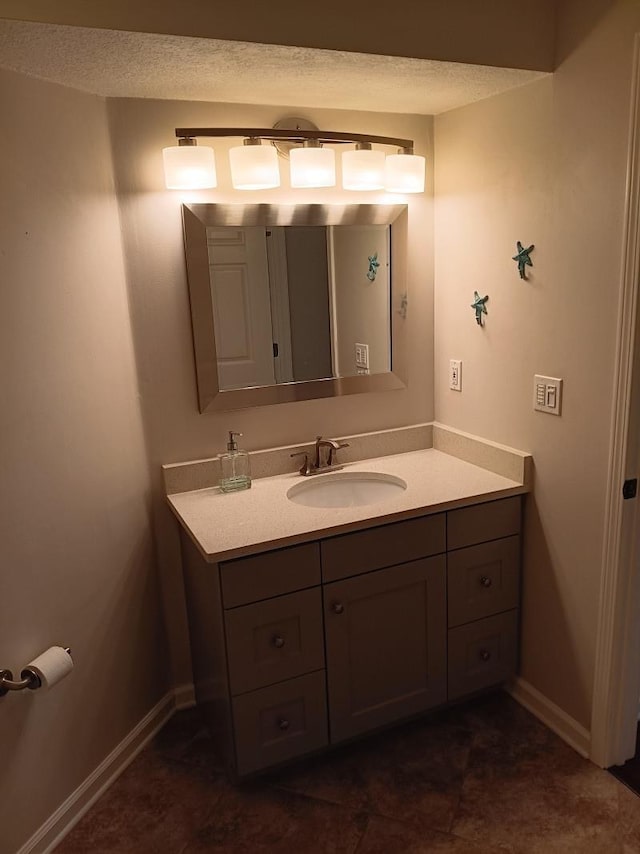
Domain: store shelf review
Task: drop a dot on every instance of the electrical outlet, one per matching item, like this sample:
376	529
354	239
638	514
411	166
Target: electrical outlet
547	394
455	375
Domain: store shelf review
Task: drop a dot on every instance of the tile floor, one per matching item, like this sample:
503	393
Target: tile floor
483	777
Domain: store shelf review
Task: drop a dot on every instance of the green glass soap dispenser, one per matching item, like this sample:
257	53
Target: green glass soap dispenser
236	471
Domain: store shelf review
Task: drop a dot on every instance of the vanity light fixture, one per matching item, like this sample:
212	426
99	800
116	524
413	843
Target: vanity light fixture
312	166
404	173
255	167
188	166
363	168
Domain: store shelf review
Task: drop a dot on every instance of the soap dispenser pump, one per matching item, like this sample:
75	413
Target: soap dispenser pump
236	471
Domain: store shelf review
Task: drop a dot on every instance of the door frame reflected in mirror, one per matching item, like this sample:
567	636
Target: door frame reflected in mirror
198	217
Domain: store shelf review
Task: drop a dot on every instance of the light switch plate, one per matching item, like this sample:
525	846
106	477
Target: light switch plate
362	358
547	394
455	375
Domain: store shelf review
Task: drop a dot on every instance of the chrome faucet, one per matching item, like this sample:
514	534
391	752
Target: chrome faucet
318	466
333	445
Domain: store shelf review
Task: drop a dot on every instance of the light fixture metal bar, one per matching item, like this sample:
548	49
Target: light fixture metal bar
294	135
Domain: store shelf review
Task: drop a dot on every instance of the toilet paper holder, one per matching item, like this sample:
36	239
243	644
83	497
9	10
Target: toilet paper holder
29	678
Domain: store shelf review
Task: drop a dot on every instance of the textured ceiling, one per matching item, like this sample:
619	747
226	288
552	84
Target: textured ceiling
141	65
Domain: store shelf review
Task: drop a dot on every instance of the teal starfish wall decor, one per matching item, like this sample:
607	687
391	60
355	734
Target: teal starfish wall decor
523	258
373	267
478	305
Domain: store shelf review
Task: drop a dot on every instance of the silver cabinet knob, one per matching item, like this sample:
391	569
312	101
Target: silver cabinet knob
278	641
485	655
283	724
337	607
486	581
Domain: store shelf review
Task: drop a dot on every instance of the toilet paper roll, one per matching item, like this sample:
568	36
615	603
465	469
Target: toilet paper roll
50	667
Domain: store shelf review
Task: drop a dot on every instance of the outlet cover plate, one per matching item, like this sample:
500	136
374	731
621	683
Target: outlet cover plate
455	375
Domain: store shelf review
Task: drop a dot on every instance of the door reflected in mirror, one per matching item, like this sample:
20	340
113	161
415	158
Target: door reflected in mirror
299	303
294	302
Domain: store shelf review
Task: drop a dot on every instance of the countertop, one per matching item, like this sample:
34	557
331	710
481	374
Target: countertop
230	525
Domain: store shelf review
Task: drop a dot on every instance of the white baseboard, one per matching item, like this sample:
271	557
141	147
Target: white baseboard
79	802
553	716
185	696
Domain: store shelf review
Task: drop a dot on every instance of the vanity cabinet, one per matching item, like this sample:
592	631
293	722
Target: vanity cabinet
303	647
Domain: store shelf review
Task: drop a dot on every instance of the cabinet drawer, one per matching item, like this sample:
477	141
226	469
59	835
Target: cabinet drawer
482	653
483	522
249	579
280	722
274	640
483	580
400	542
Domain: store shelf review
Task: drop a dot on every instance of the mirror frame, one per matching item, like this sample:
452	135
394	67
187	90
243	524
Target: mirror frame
196	218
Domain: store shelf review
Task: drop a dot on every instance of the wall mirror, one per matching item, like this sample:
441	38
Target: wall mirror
293	302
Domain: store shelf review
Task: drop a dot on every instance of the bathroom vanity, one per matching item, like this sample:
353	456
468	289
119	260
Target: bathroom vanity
305	641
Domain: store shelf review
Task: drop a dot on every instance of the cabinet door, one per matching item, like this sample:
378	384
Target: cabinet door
385	645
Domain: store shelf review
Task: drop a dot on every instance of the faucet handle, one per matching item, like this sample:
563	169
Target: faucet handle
306	469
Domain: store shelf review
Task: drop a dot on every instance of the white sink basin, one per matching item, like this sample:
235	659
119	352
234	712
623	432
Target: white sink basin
346	489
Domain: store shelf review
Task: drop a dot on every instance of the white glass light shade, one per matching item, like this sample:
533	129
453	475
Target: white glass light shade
254	167
189	167
312	167
363	169
404	173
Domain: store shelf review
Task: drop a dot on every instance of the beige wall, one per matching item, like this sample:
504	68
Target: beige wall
76	560
510	33
160	305
362	311
544	164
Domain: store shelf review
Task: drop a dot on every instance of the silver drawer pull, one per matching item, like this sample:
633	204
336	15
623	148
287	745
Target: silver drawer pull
486	581
485	655
283	724
278	641
337	607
